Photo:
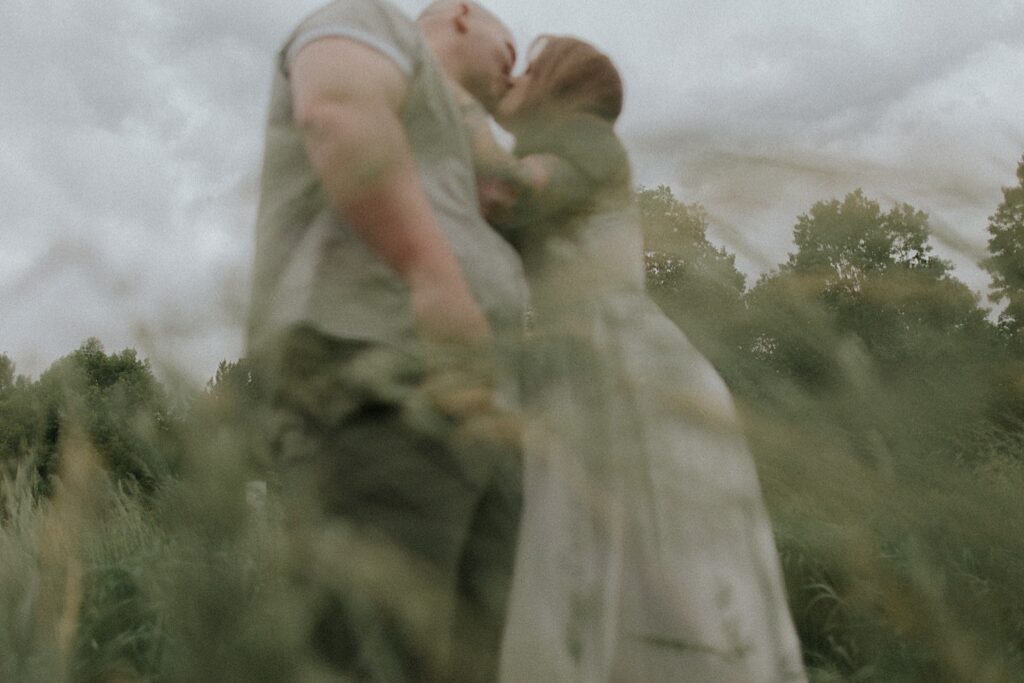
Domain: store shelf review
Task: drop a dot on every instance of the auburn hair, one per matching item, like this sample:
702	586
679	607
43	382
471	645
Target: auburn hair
570	75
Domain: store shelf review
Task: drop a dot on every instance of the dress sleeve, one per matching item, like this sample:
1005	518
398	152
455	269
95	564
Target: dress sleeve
586	142
565	190
374	23
581	158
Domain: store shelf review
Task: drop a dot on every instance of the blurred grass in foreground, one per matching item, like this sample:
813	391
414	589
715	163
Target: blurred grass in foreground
883	407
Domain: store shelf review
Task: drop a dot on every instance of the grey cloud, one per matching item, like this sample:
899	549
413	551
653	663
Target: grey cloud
804	62
132	133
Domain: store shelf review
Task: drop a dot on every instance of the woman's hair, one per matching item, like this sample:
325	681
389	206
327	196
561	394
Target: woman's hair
569	75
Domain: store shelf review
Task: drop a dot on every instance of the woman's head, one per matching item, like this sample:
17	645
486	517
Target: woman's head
565	75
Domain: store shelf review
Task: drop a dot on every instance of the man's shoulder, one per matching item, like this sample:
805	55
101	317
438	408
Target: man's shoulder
377	23
372	11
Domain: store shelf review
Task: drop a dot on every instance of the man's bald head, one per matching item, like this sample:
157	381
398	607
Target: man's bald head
473	45
451	7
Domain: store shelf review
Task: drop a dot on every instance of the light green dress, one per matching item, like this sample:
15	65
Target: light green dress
646	553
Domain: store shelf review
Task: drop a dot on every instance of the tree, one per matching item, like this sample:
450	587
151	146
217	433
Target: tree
695	283
876	275
116	400
19	416
6	374
233	406
845	241
1006	261
863	318
234	381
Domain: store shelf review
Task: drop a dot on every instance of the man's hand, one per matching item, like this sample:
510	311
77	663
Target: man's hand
347	101
446	312
461	385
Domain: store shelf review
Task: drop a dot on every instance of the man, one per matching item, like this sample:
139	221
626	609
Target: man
383	305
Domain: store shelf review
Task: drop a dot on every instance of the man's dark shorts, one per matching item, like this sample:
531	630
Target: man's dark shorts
403	520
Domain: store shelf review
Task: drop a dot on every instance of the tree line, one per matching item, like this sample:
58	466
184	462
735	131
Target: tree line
863	331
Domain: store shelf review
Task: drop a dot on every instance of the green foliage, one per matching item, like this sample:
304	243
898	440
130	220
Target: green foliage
103	582
1006	261
19	416
117	401
849	239
900	578
232	401
234	381
874	273
861	308
6	374
695	283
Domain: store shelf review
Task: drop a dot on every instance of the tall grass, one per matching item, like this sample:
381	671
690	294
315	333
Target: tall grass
102	581
910	572
917	576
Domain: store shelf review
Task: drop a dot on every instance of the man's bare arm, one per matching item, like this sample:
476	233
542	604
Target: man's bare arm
347	100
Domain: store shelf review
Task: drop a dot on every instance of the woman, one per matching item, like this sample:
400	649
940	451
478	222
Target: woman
645	550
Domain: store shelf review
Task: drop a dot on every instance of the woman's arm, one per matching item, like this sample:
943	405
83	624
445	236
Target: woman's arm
518	193
546	186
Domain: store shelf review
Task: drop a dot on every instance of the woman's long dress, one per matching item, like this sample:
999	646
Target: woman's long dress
646	553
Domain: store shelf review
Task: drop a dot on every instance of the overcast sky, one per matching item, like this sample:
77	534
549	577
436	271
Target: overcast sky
131	139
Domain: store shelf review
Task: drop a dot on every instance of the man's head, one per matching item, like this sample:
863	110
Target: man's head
473	46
